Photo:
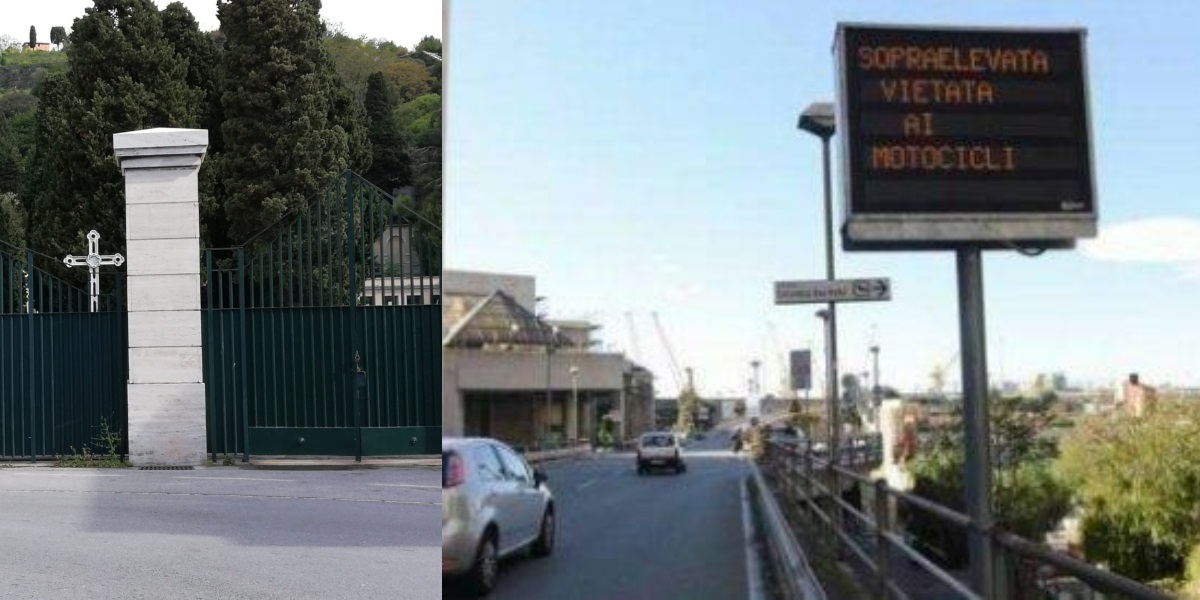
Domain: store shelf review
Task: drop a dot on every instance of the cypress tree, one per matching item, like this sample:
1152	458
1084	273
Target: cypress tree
123	76
58	35
200	51
289	127
389	154
183	33
47	217
10	160
32	36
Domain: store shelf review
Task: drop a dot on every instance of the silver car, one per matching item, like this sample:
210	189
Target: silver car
493	505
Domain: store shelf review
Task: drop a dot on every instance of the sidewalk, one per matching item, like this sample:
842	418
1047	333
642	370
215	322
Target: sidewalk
307	463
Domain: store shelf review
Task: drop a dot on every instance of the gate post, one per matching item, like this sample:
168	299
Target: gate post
167	412
31	383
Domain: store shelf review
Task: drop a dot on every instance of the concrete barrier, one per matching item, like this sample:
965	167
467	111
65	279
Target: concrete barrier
538	456
795	577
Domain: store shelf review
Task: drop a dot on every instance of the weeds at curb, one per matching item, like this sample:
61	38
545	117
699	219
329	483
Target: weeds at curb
108	440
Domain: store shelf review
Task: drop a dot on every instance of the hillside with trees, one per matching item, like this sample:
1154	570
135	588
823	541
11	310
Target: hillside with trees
289	101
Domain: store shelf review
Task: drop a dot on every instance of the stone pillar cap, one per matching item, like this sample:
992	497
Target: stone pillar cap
160	148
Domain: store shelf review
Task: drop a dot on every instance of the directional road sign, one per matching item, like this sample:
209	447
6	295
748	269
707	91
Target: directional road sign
821	291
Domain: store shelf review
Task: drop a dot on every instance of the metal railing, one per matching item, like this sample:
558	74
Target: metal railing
873	536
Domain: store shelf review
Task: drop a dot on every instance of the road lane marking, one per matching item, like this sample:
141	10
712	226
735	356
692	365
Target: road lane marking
406	485
64	473
259	496
238	478
587	483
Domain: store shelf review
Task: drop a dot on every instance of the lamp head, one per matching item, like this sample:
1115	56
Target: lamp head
818	119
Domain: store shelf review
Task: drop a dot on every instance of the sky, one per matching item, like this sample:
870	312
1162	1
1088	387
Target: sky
404	22
641	157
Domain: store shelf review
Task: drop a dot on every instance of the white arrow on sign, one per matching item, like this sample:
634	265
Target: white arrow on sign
839	290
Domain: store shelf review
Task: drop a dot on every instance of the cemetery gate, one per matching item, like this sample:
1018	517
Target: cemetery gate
322	336
63	365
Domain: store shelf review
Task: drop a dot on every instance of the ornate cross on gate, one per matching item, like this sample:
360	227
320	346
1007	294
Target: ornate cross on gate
94	260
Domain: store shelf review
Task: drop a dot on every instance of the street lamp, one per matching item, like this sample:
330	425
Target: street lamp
550	340
818	119
573	414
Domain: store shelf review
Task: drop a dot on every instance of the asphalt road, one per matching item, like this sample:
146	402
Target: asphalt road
629	537
219	533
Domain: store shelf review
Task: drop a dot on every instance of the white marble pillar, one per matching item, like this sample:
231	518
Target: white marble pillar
162	228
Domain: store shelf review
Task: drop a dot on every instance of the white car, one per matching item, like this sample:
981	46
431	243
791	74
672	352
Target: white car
493	505
659	449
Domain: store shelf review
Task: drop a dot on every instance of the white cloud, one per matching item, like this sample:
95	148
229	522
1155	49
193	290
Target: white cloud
1166	240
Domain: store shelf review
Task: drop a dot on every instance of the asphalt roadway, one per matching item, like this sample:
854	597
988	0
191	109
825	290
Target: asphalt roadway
219	533
630	537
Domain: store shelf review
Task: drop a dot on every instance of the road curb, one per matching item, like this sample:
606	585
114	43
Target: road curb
339	464
756	585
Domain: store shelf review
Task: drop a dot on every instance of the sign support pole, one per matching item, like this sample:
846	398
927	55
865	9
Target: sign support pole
973	340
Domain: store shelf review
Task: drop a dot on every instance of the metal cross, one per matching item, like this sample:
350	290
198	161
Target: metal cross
94	260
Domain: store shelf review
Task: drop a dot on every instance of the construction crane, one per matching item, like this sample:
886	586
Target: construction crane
785	390
676	373
938	376
633	339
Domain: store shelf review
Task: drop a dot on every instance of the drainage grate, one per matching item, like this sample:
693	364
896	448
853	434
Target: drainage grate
164	468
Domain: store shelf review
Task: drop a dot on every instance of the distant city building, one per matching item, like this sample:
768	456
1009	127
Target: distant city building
512	374
1139	399
1058	382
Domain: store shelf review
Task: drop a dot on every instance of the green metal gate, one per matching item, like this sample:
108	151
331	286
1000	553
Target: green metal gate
325	339
63	369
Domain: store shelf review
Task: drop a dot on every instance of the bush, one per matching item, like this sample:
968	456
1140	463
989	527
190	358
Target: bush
1138	484
1028	499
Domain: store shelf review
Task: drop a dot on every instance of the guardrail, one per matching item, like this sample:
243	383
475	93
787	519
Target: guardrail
795	578
1024	569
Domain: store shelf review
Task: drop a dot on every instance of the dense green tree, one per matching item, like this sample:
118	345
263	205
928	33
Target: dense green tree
389	153
12	221
419	107
689	403
427	173
408	79
349	116
355	59
200	51
429	52
16	102
10	160
123	76
58	35
1138	484
203	65
32	36
1027	497
430	44
290	127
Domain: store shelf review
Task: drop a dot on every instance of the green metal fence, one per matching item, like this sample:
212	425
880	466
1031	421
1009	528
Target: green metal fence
63	369
325	338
